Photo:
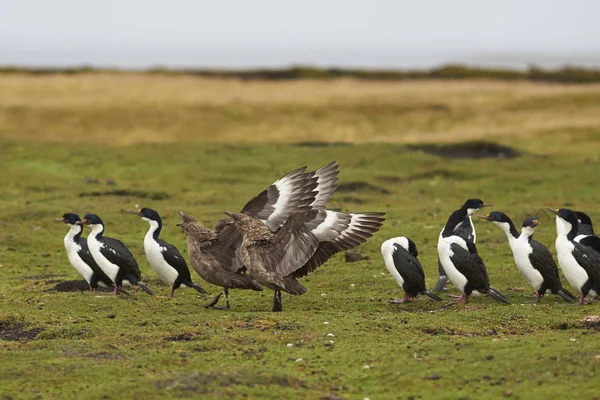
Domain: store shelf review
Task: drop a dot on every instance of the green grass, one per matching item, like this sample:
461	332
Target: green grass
95	345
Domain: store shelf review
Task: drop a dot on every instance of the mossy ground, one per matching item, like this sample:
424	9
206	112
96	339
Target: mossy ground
94	345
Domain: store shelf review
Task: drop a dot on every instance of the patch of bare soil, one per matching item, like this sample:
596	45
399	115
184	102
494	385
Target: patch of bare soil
15	331
472	150
204	383
75	286
361	186
128	193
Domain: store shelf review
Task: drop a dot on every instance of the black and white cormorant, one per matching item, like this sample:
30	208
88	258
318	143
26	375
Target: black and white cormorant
463	266
585	231
465	230
79	254
532	258
112	256
580	263
163	257
400	258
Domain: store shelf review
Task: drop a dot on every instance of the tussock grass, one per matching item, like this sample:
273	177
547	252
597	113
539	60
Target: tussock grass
76	344
123	109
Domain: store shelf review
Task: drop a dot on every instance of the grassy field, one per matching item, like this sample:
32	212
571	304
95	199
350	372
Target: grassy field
106	143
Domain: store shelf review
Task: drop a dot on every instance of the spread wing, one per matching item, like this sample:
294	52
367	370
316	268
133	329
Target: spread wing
589	261
471	266
542	260
174	258
117	253
337	232
292	193
288	249
409	267
327	178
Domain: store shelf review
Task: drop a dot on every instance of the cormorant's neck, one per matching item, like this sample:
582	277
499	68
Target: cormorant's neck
75	232
97	230
527	231
571	229
509	228
155	228
456	218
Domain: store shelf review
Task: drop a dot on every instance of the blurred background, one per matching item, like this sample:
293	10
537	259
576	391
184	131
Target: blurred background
269	33
136	71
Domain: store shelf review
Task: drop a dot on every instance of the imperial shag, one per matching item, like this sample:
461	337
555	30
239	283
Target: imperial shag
532	258
465	230
112	256
580	263
163	257
461	262
79	254
400	258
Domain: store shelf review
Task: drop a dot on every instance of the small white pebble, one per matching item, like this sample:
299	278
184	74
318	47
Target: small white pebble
323	294
330	342
325	323
136	206
367	367
375	276
352	285
366	398
573	339
290	344
298	359
330	335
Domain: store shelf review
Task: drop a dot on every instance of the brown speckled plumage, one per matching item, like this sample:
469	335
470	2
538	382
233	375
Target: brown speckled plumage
310	235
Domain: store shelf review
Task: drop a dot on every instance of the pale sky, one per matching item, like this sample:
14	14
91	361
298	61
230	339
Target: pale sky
246	33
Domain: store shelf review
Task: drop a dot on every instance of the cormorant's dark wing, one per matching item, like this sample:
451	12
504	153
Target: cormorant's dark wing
292	193
472	267
471	246
86	256
589	261
591	241
349	231
409	267
542	260
117	253
465	230
174	258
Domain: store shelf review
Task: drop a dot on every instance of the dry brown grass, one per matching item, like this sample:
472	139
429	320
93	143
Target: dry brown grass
124	109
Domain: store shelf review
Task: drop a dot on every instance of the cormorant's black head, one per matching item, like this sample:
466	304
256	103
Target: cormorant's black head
502	221
147	214
569	218
583	218
585	223
473	205
530	222
91	219
496	216
69	218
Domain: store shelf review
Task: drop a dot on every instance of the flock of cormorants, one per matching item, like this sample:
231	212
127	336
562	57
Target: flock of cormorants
286	232
282	234
577	249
